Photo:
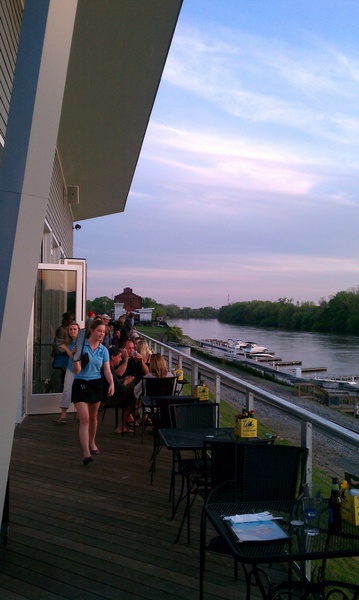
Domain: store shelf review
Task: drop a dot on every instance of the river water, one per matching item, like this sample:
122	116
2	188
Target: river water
337	353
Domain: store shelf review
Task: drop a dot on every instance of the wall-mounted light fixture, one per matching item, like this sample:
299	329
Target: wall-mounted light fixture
73	194
77	227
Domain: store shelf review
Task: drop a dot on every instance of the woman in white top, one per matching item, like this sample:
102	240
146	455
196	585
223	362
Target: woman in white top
72	331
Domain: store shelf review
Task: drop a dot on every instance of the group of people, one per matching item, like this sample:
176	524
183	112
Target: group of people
105	370
117	332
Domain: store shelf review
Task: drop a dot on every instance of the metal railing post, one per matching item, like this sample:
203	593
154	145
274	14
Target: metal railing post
307	442
249	400
170	366
194	376
217	389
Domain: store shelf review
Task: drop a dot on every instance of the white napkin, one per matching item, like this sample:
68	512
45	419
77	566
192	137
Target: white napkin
250	518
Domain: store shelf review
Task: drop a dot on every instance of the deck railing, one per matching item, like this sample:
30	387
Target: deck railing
309	421
311	425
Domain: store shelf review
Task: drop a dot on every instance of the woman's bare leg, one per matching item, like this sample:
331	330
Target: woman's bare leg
93	410
84	419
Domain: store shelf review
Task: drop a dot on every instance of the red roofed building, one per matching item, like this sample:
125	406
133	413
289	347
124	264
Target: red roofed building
130	301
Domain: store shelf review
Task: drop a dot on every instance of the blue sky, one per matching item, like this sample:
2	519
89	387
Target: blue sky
247	184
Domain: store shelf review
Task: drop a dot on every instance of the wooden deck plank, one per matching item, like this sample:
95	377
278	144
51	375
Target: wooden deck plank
100	531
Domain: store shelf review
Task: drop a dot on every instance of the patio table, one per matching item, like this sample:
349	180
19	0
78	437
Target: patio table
181	440
297	548
192	439
148	401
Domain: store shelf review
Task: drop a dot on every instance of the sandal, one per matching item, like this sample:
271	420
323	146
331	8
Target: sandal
147	421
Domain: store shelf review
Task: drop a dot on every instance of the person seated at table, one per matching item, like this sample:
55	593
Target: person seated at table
121	396
132	365
143	349
157	368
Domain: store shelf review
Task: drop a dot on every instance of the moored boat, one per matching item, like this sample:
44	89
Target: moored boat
235	344
260	355
343	380
253	348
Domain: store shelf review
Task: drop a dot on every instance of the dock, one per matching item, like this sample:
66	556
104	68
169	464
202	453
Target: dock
277	362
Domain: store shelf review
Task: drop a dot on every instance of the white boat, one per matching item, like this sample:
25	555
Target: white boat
253	348
258	355
235	344
343	380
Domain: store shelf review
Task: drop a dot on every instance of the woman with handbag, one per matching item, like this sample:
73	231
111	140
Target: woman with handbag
60	357
72	332
87	387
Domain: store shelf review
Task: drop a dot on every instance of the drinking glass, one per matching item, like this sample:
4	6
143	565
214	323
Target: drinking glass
311	515
312	490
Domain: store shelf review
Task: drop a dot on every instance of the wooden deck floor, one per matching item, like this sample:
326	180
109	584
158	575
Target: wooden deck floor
101	531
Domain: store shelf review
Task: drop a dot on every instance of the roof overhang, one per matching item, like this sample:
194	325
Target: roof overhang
118	53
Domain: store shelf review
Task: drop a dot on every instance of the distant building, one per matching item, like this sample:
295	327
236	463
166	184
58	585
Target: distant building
130	301
144	315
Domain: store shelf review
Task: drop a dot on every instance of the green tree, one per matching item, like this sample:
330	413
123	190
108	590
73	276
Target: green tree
100	305
173	311
149	302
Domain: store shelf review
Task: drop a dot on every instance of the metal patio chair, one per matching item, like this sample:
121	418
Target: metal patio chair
268	473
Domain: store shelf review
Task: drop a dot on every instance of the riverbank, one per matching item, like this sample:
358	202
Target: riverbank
338	354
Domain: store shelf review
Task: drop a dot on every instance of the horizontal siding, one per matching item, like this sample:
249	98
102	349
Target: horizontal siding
58	213
10	24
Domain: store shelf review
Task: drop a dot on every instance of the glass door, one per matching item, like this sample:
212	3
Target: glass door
59	289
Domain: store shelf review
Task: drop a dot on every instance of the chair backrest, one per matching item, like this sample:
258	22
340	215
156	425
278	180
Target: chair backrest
158	386
224	461
272	472
252	471
161	409
201	415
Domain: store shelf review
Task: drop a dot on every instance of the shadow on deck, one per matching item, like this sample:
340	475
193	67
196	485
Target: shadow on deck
101	531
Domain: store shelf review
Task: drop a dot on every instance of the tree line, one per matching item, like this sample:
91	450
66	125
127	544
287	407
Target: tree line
104	304
339	314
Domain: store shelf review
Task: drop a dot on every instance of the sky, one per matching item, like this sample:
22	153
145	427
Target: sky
247	183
